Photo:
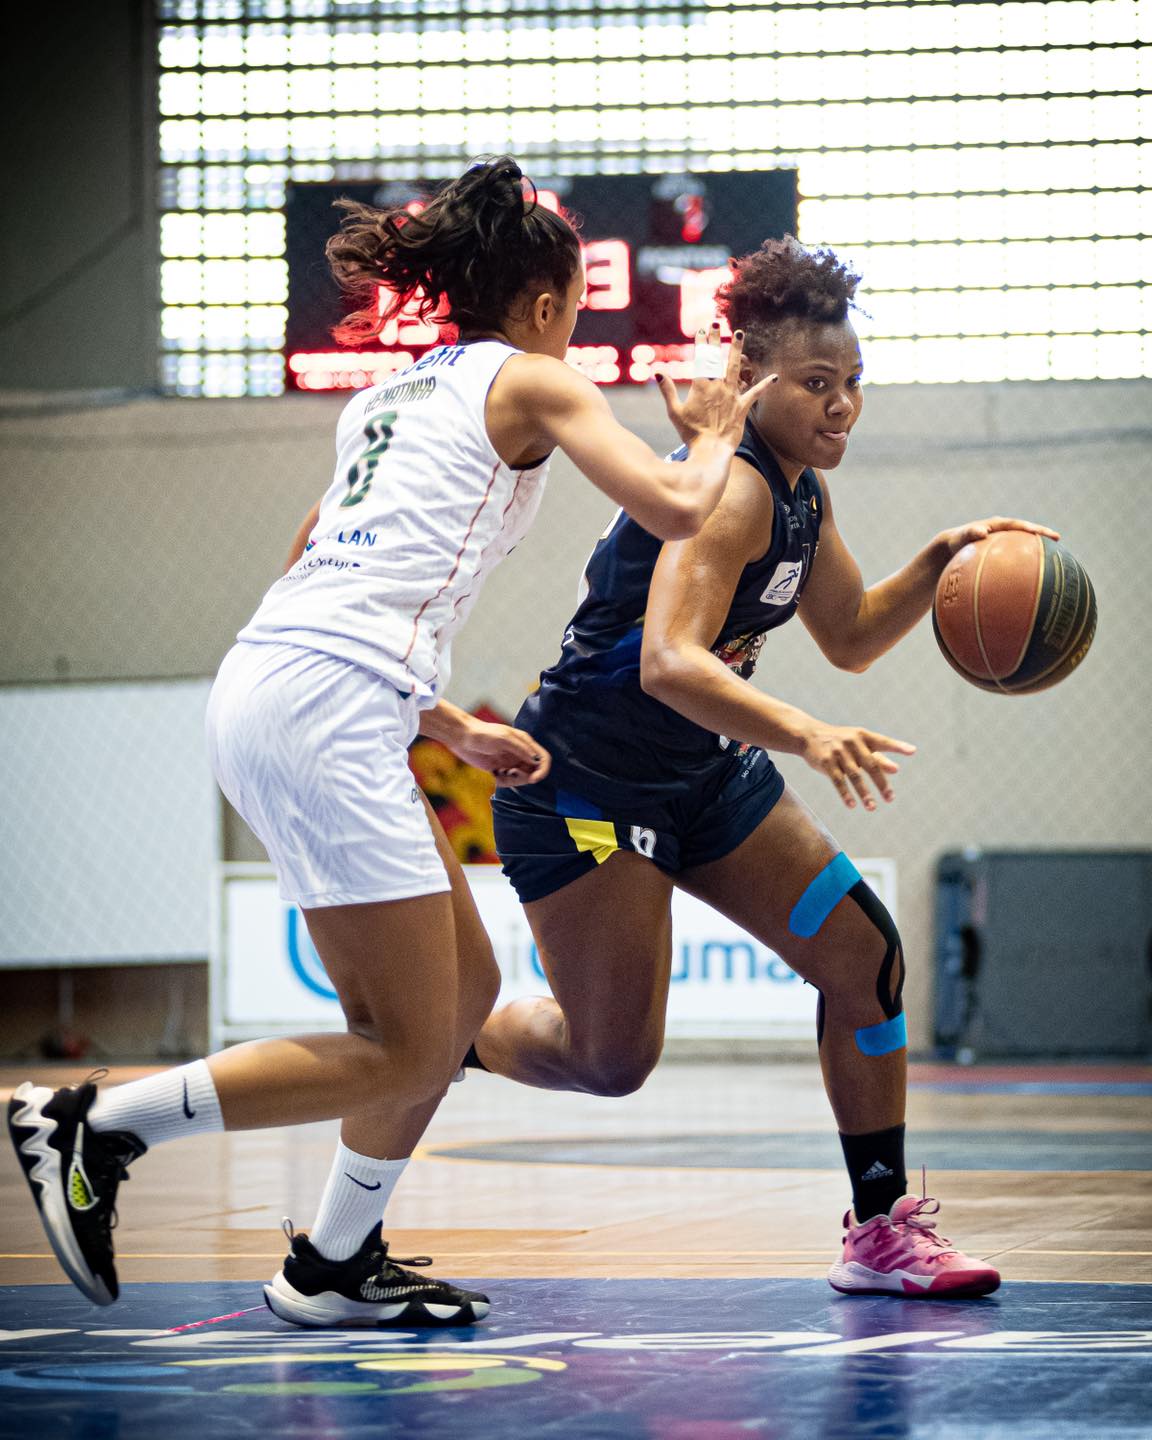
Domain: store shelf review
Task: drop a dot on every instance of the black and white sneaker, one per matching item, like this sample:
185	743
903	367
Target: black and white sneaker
369	1288
73	1173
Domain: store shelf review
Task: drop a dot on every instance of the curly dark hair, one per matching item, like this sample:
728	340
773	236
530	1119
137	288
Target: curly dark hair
783	282
471	252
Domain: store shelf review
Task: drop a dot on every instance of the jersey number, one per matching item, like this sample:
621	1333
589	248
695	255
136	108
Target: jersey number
379	432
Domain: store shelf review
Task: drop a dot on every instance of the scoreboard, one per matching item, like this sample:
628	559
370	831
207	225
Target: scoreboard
656	247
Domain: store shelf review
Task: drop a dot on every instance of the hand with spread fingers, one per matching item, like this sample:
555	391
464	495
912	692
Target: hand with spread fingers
852	760
715	404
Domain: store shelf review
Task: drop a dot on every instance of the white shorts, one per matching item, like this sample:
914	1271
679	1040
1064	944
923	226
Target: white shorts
313	753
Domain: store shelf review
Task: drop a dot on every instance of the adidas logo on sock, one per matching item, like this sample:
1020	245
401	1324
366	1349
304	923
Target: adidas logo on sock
876	1171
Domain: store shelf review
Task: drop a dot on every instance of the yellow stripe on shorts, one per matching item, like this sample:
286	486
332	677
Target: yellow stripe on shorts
597	836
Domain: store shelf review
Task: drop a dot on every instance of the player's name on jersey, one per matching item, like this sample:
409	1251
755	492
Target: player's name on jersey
404	393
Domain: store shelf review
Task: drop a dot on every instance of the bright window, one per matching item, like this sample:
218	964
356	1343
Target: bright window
987	166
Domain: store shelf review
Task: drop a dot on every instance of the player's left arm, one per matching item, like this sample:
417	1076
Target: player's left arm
513	756
854	625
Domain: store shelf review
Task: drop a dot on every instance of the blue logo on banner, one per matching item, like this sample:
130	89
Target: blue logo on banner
716	962
306	963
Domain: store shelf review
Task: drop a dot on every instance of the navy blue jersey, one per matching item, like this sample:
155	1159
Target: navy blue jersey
606	736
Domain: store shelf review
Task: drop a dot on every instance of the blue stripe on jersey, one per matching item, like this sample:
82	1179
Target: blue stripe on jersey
607	749
575	807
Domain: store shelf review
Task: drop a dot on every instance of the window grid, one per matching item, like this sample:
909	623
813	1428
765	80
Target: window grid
1009	238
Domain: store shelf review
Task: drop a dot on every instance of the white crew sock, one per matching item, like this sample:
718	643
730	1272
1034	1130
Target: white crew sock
353	1202
160	1107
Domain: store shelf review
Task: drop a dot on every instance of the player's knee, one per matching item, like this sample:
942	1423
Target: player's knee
861	975
878	934
405	1073
612	1073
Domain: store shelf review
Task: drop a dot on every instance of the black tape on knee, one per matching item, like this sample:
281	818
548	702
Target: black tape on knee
890	1000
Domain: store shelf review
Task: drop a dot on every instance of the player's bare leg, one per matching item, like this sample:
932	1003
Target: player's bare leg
789	885
605	942
412	998
757	885
341	1273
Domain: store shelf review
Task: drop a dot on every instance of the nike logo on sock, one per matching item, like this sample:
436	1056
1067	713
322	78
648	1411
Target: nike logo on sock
188	1111
362	1184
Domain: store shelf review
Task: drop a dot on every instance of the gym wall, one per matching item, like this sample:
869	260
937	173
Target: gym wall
141	536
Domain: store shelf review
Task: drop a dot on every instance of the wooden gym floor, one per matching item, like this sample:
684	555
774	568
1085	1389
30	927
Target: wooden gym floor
608	1222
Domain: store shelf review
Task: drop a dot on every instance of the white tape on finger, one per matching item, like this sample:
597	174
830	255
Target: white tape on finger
709	361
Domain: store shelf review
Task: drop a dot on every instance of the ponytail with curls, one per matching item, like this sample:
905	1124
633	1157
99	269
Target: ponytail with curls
476	246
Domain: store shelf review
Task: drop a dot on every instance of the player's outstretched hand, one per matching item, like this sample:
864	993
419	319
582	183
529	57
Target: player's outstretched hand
955	540
852	757
715	404
511	755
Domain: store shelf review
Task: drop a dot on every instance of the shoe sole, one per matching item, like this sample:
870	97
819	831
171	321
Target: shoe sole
41	1164
852	1278
329	1311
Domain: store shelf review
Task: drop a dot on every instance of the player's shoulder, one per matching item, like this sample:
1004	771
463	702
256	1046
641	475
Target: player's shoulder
526	375
746	493
740	528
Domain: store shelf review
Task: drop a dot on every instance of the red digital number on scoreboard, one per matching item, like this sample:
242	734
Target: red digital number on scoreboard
608	272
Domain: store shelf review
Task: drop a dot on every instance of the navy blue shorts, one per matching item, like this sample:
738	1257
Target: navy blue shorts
547	837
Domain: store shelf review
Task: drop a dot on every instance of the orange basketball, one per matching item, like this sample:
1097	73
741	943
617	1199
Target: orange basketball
1014	613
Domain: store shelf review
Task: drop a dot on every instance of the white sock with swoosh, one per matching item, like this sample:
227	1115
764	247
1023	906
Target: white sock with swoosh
161	1107
354	1198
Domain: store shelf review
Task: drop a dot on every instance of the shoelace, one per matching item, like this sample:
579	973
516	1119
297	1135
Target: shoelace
927	1228
390	1268
387	1262
117	1170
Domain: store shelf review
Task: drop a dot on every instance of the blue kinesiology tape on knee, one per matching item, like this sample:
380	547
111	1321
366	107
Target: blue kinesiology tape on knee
823	895
882	1039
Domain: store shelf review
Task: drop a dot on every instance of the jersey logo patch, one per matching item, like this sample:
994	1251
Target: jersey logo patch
785	582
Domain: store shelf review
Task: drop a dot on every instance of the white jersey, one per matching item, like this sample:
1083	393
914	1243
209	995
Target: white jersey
420	511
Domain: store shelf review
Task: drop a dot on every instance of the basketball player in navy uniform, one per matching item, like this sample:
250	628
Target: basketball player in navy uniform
662	773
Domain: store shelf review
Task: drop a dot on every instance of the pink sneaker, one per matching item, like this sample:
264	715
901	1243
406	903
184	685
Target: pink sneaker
901	1254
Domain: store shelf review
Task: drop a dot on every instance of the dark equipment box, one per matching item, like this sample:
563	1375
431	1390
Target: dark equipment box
1044	954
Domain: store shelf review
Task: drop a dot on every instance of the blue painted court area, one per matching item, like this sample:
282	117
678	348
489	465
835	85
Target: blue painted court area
588	1360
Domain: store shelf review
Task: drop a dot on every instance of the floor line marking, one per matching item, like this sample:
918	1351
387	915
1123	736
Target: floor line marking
531	1254
526	1254
1084	1252
214	1320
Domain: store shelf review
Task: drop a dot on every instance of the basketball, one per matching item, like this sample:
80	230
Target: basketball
1014	613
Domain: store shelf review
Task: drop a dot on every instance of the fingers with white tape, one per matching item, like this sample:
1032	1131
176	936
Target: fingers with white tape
710	359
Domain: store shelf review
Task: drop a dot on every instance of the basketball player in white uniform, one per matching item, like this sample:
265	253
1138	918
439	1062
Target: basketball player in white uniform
439	474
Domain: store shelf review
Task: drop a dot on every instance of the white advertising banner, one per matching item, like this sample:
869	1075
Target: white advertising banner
267	977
